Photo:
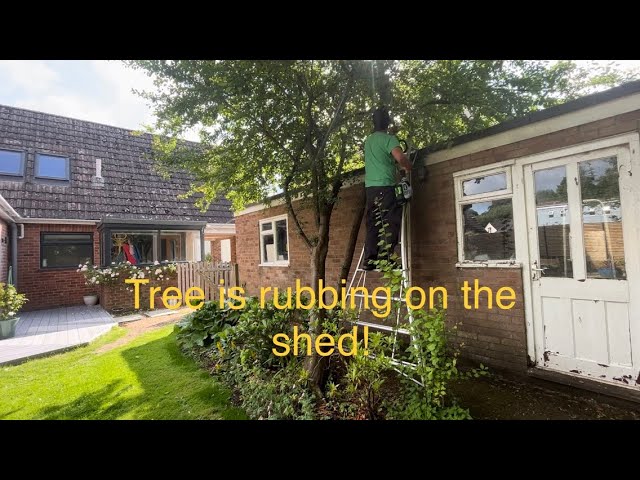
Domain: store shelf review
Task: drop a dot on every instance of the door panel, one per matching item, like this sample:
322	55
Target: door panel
580	293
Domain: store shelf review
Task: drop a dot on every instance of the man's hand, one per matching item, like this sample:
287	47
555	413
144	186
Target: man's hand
402	159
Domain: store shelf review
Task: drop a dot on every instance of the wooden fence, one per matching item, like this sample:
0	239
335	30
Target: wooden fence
209	276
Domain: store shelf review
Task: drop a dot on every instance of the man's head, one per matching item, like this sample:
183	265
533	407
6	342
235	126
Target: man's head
381	119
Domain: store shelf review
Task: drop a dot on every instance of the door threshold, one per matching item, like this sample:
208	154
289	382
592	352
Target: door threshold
624	392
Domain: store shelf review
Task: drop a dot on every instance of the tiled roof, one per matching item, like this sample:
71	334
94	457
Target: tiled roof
132	189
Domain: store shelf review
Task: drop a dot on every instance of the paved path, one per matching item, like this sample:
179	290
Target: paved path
47	331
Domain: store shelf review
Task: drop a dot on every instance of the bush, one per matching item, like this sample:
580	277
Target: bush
10	301
277	395
200	328
119	272
237	345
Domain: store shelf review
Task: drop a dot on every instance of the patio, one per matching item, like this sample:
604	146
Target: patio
48	331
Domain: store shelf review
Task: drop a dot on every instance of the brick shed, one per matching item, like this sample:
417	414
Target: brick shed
545	204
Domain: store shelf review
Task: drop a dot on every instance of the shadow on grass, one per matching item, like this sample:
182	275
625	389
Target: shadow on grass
99	404
167	386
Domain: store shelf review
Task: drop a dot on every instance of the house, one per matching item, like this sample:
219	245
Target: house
72	191
561	189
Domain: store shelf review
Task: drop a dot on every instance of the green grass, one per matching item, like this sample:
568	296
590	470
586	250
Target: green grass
147	378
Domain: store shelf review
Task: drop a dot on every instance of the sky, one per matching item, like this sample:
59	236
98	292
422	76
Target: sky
95	90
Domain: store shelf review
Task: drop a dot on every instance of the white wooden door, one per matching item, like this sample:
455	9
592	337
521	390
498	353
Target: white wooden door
582	223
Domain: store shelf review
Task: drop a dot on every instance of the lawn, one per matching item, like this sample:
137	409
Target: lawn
147	378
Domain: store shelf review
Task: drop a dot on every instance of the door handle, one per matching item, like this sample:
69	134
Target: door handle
537	272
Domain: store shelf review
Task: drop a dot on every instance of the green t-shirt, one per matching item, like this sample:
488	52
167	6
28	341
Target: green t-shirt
379	164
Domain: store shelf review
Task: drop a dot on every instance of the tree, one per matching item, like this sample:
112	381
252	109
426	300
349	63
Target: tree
299	125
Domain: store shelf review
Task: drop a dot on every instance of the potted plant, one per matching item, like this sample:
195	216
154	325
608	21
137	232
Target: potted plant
90	299
10	304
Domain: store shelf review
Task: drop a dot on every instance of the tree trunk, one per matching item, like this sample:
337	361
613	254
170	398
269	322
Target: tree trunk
353	239
316	364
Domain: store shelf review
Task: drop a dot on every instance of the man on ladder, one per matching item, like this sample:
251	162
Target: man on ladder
381	152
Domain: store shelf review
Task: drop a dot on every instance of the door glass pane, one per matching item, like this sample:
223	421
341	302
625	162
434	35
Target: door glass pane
552	211
602	219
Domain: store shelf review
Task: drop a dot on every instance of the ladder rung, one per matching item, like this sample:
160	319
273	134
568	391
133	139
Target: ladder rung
376	270
377	297
387	328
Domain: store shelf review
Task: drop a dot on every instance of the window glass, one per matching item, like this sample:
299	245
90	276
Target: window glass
268	248
10	162
488	230
180	246
135	247
60	250
553	216
51	166
602	219
281	235
488	183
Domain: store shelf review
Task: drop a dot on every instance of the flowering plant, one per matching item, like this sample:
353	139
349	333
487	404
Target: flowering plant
10	301
119	272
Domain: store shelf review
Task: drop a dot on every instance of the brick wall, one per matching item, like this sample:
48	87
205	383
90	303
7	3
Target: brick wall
216	253
117	299
495	337
4	250
248	245
55	287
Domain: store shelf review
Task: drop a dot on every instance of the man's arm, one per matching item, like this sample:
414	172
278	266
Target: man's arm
402	159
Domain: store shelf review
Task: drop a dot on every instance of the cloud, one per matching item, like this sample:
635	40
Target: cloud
95	90
31	76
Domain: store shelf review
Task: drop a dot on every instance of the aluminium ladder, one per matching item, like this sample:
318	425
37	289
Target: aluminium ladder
359	279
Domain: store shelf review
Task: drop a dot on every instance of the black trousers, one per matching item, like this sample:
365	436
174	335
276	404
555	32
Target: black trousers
383	200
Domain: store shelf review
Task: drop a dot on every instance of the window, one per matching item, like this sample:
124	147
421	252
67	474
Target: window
180	246
274	244
134	247
143	247
11	163
485	216
65	250
52	167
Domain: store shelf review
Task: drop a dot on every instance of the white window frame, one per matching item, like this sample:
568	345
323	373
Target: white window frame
272	221
506	193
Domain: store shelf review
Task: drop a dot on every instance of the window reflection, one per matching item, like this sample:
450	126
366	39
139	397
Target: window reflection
602	218
553	216
488	230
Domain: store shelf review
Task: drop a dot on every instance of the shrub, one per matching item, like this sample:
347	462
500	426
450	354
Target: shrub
237	345
200	328
119	272
277	395
10	301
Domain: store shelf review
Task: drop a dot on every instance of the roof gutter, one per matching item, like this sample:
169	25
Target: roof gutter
7	212
59	221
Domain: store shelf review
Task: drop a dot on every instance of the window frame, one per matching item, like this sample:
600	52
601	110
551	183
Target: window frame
273	220
45	177
22	164
69	267
460	200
